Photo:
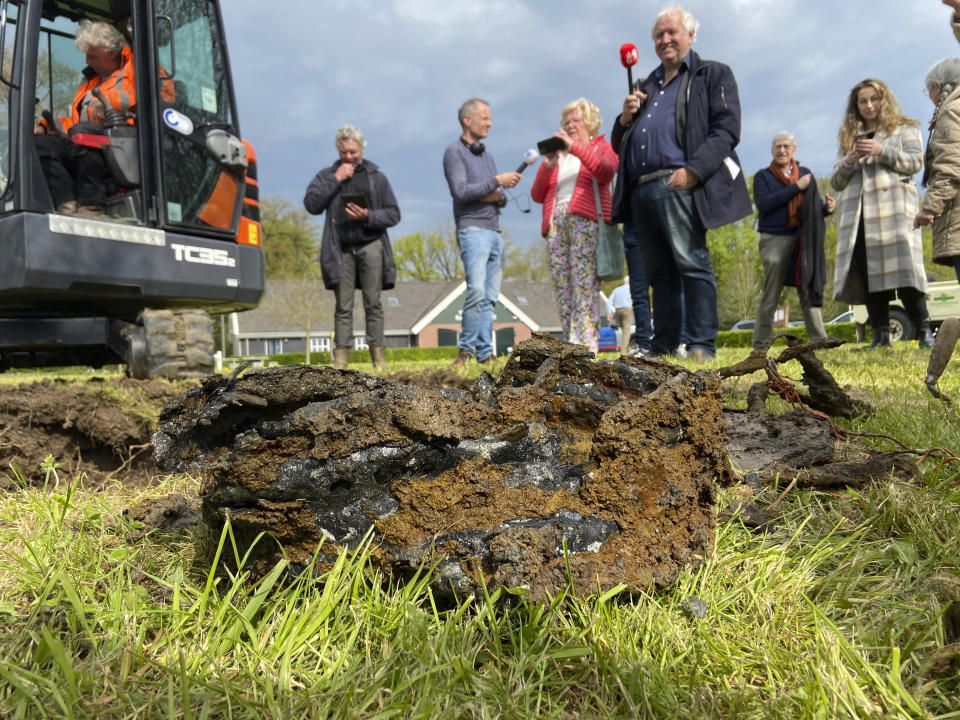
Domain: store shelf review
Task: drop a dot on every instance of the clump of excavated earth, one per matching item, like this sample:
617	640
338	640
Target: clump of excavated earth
599	473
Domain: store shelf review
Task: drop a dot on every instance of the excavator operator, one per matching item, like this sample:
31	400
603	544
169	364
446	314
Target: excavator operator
78	176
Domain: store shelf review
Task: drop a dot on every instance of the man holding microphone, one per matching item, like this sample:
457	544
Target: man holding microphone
477	198
680	176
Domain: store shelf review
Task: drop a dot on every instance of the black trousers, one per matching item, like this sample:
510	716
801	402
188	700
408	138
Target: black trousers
73	172
878	303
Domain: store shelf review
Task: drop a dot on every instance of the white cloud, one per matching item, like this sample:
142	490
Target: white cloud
399	70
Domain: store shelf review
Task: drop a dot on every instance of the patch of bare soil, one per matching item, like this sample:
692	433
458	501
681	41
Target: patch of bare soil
99	428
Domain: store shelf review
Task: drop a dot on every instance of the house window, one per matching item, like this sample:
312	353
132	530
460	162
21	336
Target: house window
319	344
446	337
274	347
360	342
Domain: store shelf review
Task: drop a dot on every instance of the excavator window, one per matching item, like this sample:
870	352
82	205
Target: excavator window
200	189
8	34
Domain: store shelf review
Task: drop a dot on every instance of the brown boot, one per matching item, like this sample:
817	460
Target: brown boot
378	356
341	357
461	360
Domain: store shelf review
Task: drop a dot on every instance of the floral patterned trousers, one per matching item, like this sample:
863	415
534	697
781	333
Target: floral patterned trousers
572	254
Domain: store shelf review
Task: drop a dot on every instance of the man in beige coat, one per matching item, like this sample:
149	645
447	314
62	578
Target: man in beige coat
955	18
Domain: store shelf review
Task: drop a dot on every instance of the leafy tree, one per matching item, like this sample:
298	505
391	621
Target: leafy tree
428	257
526	264
298	302
291	245
291	241
735	254
57	83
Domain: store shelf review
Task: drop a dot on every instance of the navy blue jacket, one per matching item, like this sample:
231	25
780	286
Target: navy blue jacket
708	130
384	212
772	198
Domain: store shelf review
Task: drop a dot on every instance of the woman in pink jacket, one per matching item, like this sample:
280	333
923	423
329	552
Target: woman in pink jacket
565	187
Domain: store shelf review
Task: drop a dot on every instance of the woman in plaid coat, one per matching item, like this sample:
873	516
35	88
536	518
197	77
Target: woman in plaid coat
878	249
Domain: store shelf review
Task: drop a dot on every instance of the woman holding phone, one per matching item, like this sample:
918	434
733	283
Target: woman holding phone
878	249
567	184
355	250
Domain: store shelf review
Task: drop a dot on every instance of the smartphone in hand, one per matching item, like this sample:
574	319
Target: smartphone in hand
551	145
357	199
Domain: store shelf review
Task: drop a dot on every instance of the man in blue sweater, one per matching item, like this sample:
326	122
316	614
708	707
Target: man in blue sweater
777	192
477	199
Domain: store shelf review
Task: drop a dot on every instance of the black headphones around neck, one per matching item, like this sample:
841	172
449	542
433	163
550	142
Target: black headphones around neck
476	148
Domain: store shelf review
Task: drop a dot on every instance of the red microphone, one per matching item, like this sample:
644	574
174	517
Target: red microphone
628	58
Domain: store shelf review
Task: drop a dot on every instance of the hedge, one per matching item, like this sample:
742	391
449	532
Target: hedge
726	338
744	338
403	354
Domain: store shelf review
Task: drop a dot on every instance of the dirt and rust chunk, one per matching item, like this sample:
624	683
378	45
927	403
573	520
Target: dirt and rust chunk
613	462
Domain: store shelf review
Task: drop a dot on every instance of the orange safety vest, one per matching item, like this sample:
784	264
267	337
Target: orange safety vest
118	89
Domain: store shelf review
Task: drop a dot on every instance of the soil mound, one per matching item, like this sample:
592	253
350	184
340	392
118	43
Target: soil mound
100	428
599	473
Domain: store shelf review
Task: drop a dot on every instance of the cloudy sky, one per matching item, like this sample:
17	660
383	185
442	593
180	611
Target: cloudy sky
399	69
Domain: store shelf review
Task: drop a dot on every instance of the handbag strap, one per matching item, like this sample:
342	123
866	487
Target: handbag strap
602	227
597	206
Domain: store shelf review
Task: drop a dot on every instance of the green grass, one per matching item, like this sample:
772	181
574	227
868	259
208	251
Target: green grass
833	613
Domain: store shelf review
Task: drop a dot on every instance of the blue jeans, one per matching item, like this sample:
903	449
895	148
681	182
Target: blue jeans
673	243
481	251
639	287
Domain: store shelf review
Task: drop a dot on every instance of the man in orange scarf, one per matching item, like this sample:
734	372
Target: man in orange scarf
778	193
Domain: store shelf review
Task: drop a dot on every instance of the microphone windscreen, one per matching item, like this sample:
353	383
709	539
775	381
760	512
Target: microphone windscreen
629	55
530	156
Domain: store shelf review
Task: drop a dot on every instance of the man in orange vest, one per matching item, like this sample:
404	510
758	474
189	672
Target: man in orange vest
77	176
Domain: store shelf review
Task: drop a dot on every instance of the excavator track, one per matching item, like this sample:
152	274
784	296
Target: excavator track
172	345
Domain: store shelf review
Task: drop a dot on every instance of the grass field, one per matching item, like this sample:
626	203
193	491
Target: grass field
837	611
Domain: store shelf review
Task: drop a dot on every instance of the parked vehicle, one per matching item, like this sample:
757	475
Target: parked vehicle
743	325
844	317
943	301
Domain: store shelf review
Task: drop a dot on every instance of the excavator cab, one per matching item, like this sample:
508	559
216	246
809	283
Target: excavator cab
180	237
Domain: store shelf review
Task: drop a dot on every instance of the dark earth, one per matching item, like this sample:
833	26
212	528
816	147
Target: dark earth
500	474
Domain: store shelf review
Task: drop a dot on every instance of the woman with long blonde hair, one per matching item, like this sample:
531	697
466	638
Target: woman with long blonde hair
878	249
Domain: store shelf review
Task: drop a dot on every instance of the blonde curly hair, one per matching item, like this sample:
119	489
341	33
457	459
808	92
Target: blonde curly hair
589	113
890	115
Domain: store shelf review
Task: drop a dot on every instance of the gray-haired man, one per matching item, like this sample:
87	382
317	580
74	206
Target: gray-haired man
475	186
